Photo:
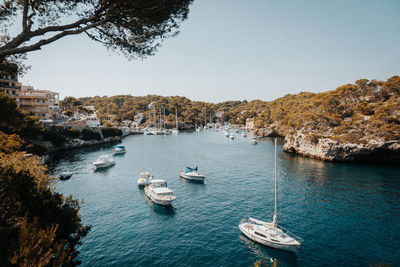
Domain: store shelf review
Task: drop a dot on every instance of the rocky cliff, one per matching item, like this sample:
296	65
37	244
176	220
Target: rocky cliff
330	150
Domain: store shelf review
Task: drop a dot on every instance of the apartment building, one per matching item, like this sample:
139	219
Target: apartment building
9	81
42	103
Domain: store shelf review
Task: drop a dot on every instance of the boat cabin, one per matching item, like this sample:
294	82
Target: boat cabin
189	169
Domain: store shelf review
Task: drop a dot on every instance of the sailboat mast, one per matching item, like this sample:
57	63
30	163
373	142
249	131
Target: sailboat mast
176	118
275	221
164	119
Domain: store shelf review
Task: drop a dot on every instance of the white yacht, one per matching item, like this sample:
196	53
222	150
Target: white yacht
254	141
244	134
158	192
231	136
120	149
192	174
104	161
226	133
268	233
144	178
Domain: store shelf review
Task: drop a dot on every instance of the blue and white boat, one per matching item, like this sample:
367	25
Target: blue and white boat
192	174
120	149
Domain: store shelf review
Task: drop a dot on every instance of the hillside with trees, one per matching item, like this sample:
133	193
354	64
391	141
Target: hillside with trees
365	114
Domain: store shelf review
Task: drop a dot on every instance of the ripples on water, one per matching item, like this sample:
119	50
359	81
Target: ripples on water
347	214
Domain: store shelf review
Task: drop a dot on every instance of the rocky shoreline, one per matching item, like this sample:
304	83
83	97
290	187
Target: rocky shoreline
78	143
327	149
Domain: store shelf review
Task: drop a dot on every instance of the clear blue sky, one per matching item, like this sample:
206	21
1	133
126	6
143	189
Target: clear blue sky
235	50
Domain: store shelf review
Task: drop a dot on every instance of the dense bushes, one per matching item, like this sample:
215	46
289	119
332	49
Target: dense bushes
88	134
55	137
72	133
108	132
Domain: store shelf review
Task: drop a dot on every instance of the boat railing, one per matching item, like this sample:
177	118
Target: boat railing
284	230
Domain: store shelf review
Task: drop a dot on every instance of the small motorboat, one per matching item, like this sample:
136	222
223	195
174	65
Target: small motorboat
104	161
231	136
120	149
254	141
226	133
144	178
244	134
65	175
192	174
158	192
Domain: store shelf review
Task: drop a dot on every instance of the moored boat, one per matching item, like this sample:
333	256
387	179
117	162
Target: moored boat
104	161
158	192
120	149
192	174
144	178
65	175
268	233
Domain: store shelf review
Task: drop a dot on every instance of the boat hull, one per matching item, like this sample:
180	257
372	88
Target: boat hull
103	165
265	242
193	178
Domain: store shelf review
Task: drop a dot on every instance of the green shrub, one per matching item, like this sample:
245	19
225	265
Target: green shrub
108	132
54	137
88	134
73	133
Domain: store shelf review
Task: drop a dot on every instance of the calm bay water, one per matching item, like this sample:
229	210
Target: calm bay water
347	214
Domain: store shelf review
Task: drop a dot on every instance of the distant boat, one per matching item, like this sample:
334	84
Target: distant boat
158	191
144	178
226	133
254	141
192	174
120	149
244	134
65	175
176	130
104	161
231	136
268	233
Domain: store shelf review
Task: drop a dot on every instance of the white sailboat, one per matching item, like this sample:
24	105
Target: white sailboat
268	233
176	130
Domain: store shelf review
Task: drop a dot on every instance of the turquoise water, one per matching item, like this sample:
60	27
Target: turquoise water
347	214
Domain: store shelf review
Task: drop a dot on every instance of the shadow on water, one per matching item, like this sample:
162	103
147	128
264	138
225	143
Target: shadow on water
159	209
267	254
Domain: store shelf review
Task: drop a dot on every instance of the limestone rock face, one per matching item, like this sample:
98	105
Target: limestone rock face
329	150
270	131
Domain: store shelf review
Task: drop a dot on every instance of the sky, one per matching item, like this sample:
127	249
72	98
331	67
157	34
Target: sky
236	50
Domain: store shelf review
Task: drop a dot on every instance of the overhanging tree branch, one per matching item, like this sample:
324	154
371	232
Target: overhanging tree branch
134	27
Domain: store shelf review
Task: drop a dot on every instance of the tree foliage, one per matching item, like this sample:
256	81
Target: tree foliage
38	227
135	28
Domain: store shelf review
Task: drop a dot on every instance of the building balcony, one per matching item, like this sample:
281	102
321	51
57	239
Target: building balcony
5	78
8	86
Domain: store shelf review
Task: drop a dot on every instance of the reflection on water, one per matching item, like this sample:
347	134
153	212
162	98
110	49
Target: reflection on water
268	254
